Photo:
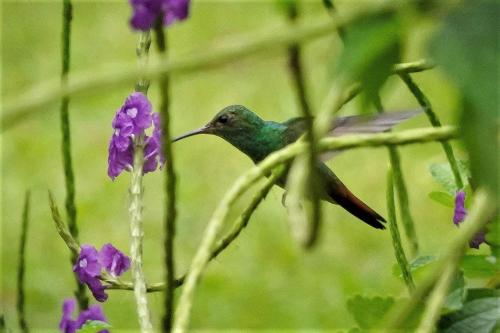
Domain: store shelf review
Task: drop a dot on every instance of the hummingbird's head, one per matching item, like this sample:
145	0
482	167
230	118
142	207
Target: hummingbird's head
233	123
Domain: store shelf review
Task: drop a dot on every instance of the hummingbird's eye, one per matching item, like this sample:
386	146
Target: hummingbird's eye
222	119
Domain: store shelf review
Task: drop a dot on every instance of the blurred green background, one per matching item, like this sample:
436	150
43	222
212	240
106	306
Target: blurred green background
264	280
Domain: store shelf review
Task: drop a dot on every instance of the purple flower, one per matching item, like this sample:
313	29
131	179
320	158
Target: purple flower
151	151
134	116
132	119
88	268
69	325
114	261
157	134
459	216
119	160
477	240
146	12
460	212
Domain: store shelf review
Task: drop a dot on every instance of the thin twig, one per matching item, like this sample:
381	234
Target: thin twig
401	190
310	174
170	184
61	227
434	120
20	272
243	219
69	177
396	239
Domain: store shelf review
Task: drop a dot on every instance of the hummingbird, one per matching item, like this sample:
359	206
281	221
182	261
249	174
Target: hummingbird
257	138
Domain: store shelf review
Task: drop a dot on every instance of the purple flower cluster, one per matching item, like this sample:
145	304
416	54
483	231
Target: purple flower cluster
147	12
131	120
70	325
459	215
89	264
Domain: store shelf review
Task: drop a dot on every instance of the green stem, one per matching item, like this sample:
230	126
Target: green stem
437	299
61	227
136	205
69	177
244	218
137	234
396	239
434	120
402	192
297	71
170	184
20	272
330	7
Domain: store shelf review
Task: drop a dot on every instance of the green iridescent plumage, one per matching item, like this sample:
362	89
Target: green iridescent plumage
258	138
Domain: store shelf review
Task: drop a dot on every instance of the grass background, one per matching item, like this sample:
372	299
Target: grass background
264	280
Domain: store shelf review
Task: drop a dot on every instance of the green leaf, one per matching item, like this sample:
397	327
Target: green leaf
372	46
479	266
478	316
444	176
456	297
467	49
443	198
368	312
416	264
476	293
93	326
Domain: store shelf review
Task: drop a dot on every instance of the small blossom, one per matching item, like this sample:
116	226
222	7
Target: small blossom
157	134
114	261
151	151
134	116
477	240
459	216
460	212
147	12
94	312
119	160
69	325
87	262
88	268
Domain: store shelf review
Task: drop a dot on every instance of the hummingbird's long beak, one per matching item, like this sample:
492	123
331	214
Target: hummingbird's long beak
202	130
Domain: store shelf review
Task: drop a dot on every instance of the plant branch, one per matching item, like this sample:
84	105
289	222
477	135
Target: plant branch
396	239
271	39
62	229
434	120
69	177
136	205
402	192
170	183
313	213
20	272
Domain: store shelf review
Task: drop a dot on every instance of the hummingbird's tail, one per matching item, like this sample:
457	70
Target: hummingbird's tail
343	197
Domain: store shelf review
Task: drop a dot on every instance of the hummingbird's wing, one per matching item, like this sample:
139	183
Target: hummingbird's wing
366	124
